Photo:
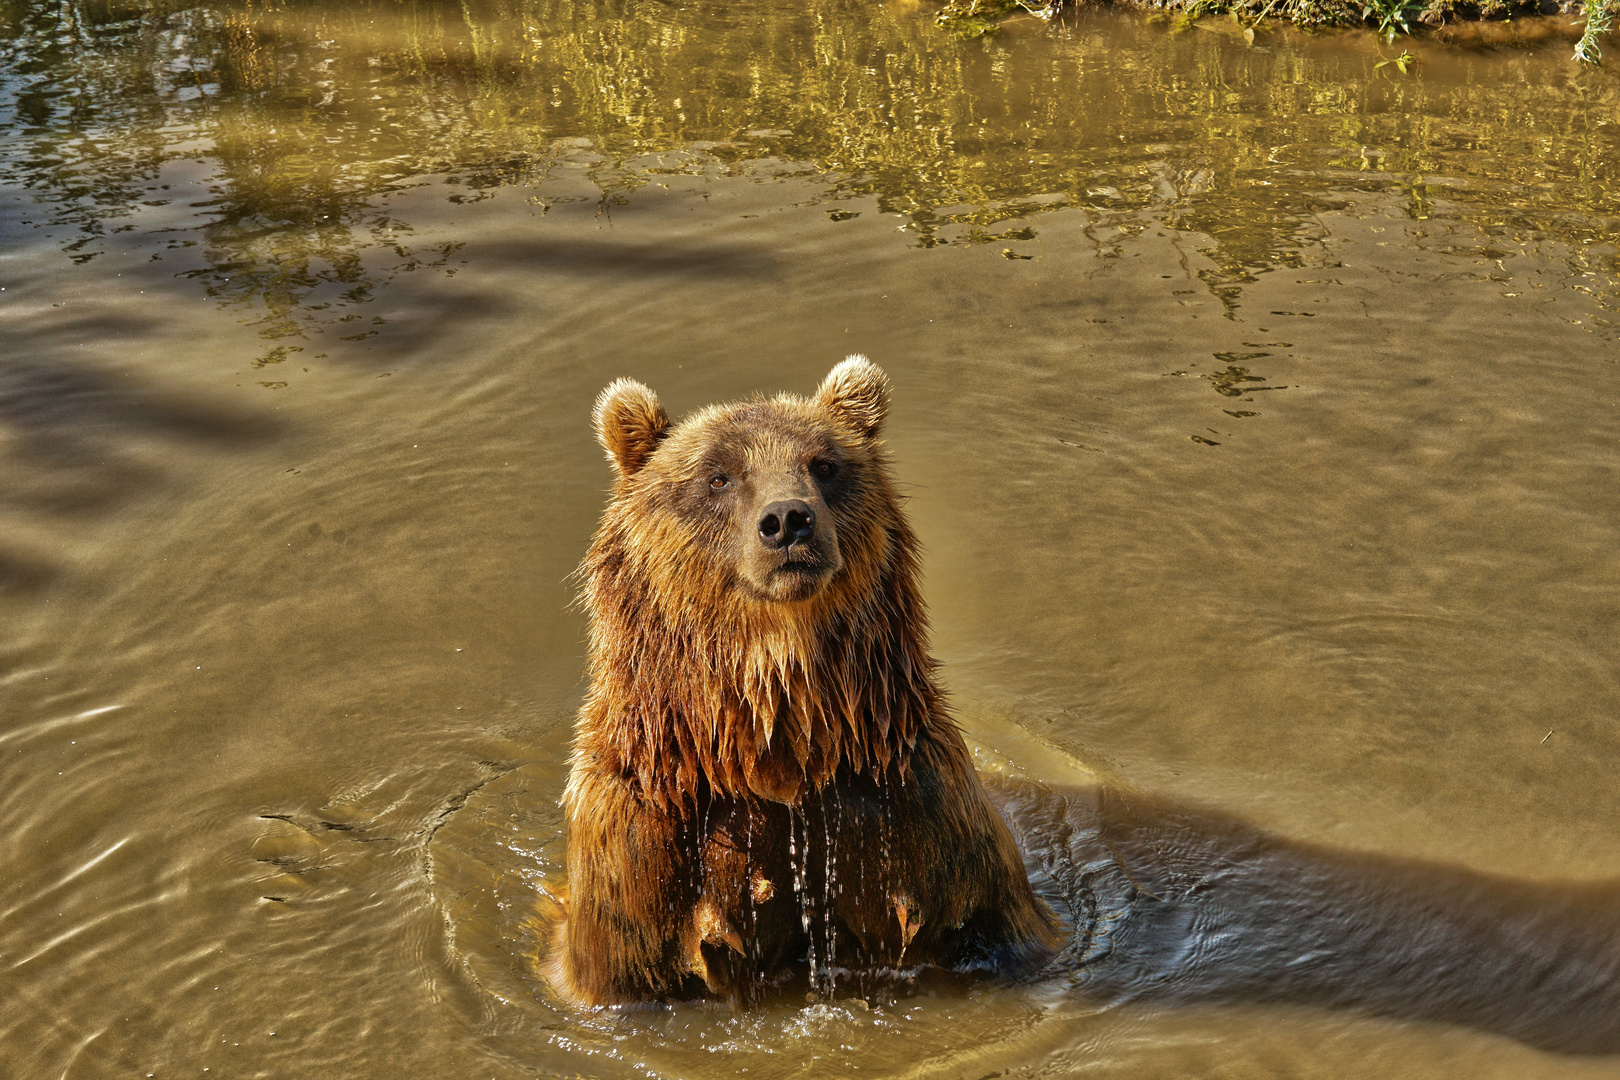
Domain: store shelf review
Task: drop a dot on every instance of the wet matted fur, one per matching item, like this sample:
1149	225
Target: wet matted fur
765	771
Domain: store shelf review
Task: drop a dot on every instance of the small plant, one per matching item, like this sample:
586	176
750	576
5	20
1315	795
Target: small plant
1401	62
1393	15
1197	10
1599	21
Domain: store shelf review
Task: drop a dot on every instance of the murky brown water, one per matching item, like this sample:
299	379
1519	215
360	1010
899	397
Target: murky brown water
1258	409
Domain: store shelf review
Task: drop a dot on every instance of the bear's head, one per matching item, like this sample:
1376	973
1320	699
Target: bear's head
766	499
755	617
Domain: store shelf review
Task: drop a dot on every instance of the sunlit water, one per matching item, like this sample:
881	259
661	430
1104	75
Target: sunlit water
1257	407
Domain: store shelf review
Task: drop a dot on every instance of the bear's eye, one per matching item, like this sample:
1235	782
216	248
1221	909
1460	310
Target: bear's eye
719	482
824	469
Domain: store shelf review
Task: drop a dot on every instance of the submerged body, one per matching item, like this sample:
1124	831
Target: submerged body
765	770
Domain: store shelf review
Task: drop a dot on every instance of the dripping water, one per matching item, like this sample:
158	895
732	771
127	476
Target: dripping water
801	889
749	869
829	879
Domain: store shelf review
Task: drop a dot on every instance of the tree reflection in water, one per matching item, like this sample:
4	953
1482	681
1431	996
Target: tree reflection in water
301	117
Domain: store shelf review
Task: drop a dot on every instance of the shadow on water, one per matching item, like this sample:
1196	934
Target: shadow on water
1193	906
73	434
625	260
21	573
60	408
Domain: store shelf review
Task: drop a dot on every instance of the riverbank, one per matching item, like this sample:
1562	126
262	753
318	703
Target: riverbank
1586	23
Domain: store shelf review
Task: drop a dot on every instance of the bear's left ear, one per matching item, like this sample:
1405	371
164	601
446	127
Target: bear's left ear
630	423
858	392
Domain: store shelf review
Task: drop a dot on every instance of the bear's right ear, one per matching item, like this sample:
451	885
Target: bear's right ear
630	423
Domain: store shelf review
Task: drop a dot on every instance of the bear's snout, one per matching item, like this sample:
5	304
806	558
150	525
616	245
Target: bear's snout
789	543
786	523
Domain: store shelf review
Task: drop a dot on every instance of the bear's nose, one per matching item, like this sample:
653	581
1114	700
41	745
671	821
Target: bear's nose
786	523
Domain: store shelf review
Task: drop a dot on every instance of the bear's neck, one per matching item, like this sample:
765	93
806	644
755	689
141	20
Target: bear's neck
769	700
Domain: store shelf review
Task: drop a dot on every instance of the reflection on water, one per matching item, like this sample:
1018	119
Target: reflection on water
295	119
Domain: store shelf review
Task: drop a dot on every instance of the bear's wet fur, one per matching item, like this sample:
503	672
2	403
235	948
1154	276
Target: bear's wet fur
765	771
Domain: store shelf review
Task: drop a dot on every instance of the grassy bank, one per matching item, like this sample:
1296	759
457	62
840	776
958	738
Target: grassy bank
972	18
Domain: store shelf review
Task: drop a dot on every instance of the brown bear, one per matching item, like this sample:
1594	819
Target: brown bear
765	771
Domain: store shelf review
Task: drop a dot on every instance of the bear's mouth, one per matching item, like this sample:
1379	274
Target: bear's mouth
794	579
793	572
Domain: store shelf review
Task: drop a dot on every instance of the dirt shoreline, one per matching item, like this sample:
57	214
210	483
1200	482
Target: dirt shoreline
1486	23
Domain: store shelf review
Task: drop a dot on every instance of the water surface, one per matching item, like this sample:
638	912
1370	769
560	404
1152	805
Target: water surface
1257	407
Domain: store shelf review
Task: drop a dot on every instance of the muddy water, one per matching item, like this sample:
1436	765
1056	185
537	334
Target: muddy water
1257	405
